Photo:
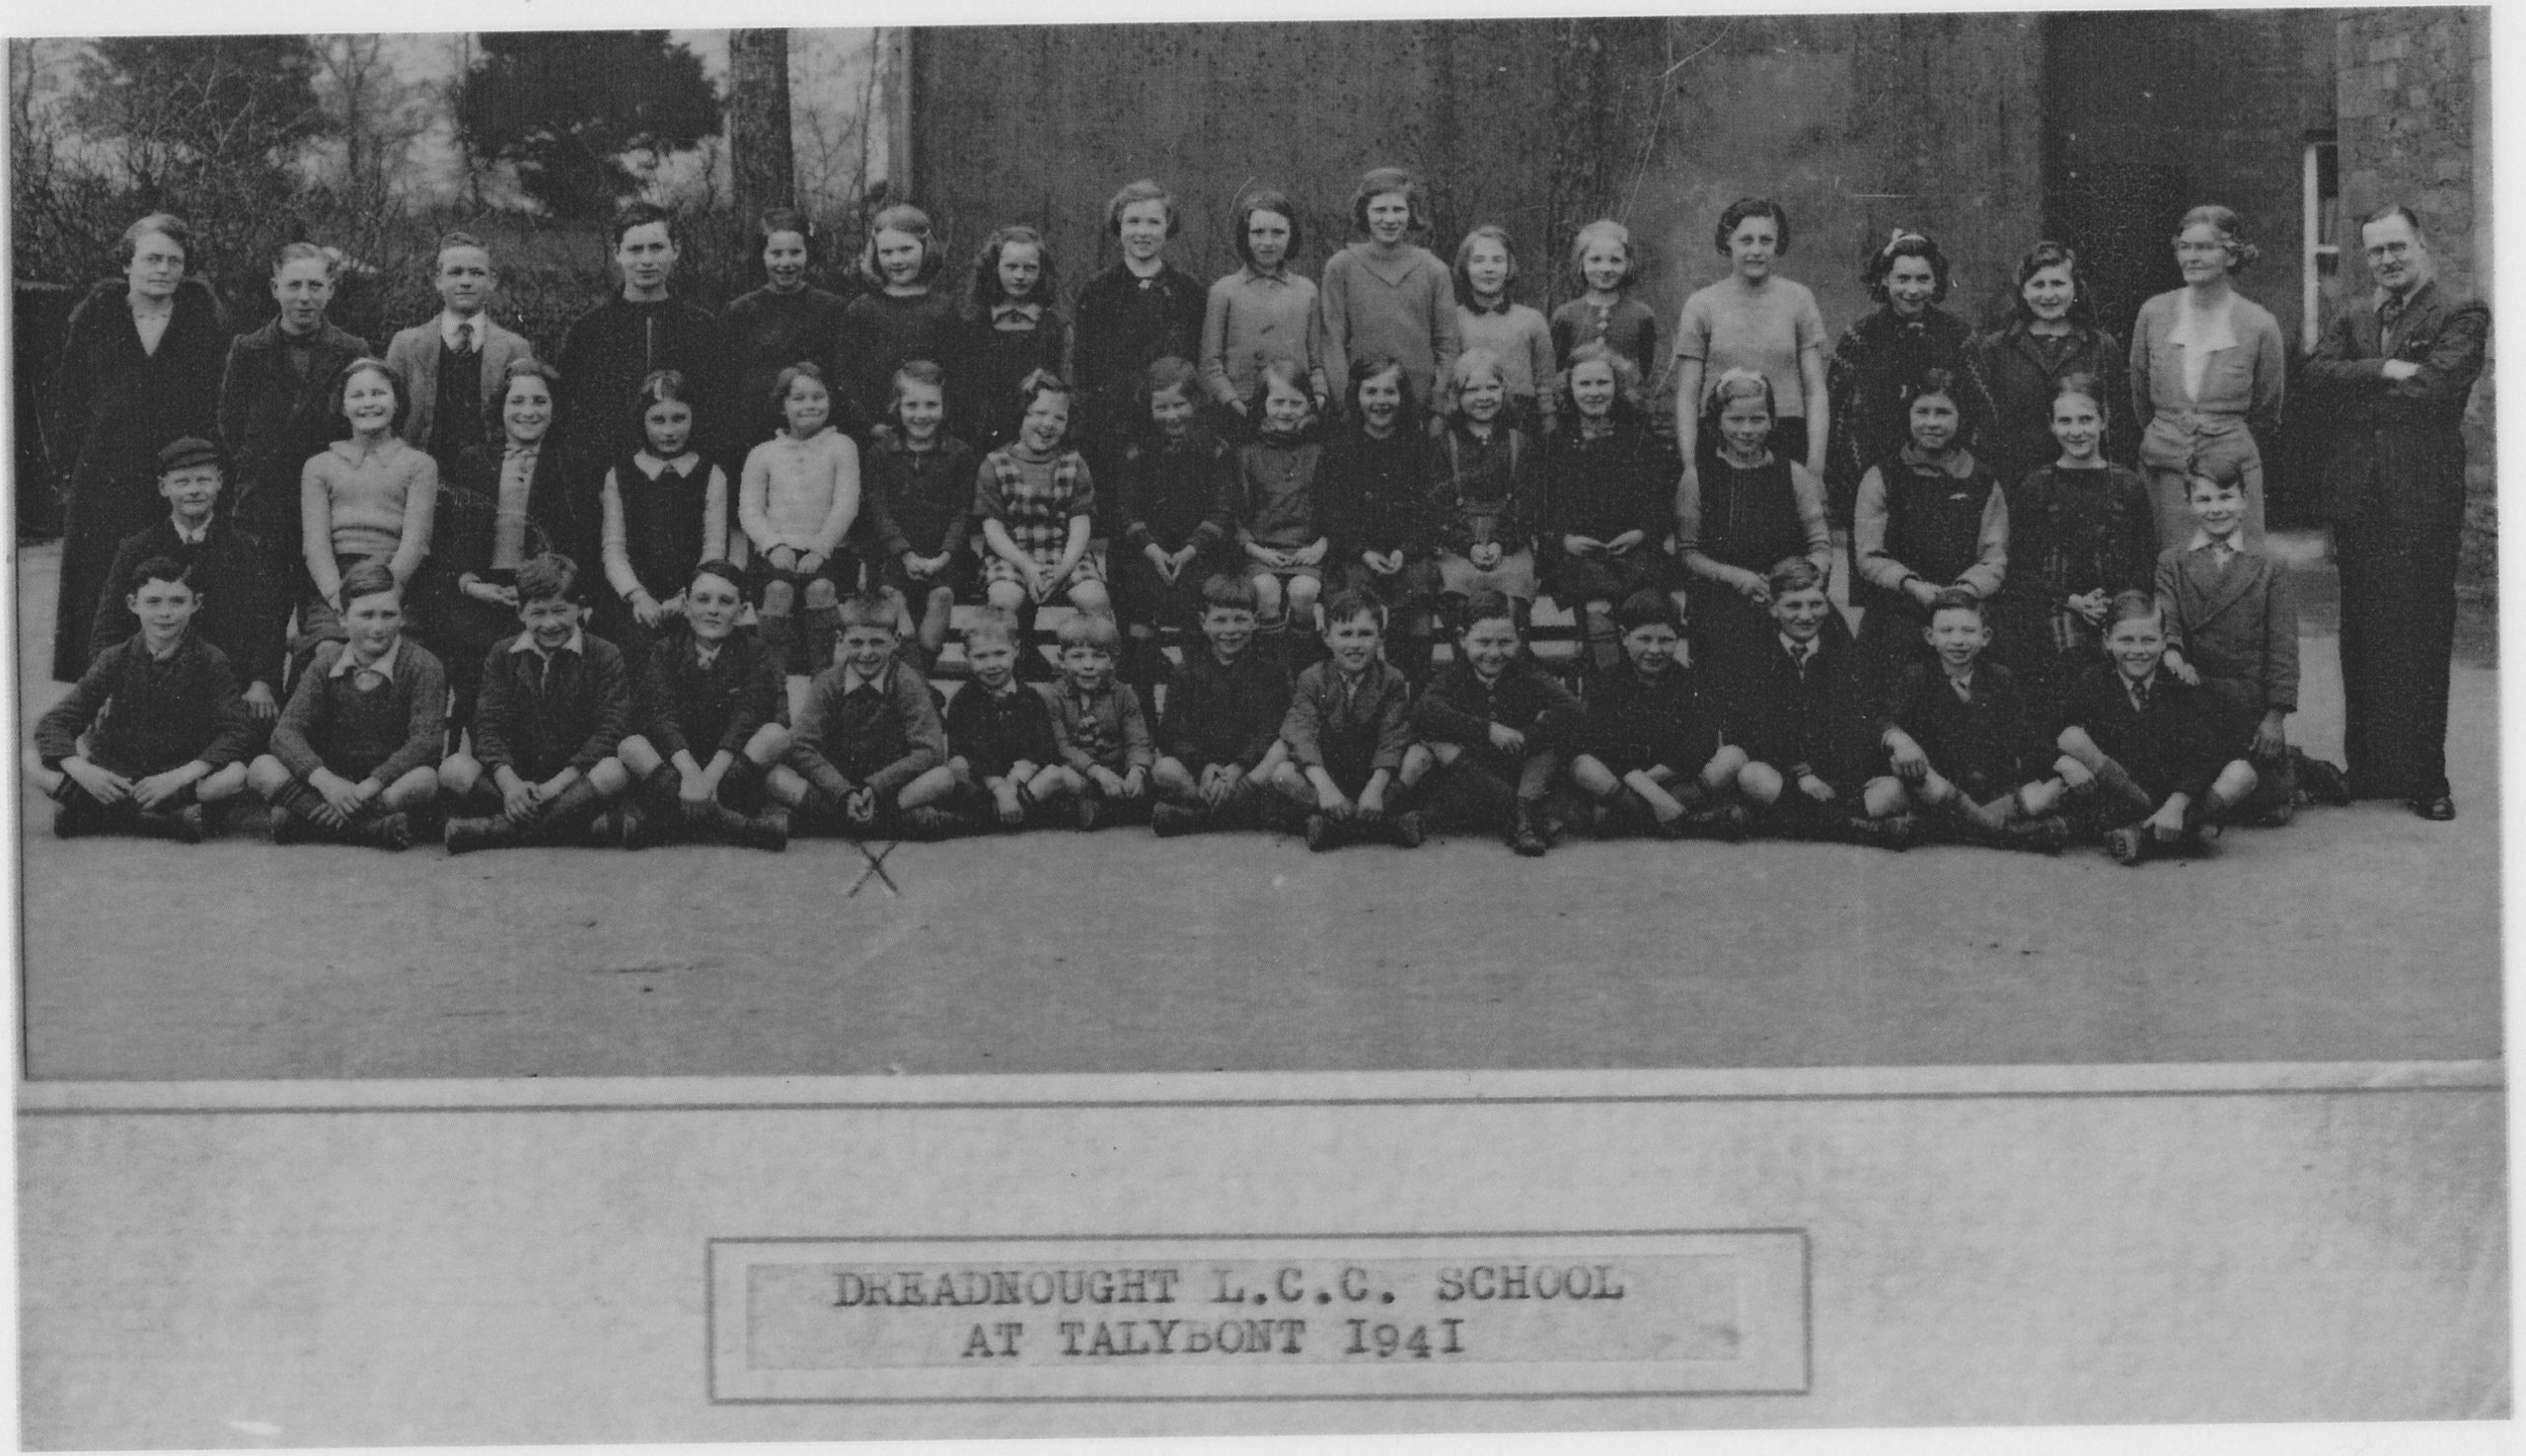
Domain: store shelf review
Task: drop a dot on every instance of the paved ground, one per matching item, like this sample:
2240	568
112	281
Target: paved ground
2357	934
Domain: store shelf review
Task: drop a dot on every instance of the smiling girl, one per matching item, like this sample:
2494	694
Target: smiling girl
901	317
368	498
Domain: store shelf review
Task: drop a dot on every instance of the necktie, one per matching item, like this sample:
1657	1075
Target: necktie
465	339
2140	696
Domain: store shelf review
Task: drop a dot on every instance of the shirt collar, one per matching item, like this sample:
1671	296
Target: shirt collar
1476	306
2133	688
1802	651
447	327
192	535
1032	313
853	681
2203	542
706	653
577	646
653	467
1958	462
1254	275
348	662
512	450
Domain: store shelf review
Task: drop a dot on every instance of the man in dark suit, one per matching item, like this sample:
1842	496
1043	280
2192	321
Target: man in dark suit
2392	375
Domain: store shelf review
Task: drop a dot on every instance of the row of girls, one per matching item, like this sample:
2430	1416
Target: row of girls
648	386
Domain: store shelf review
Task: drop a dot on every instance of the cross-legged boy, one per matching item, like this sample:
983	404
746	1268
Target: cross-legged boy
555	702
2231	627
1961	741
709	714
1103	738
1497	728
2148	757
1809	740
354	756
867	755
999	731
240	615
165	729
1218	737
1657	755
1347	738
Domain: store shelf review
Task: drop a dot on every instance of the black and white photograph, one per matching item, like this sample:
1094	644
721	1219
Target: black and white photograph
1721	720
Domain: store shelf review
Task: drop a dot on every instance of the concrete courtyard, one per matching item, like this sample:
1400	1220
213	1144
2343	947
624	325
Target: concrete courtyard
2357	934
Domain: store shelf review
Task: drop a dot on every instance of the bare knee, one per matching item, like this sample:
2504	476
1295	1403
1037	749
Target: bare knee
1761	783
267	776
777	598
1090	596
820	595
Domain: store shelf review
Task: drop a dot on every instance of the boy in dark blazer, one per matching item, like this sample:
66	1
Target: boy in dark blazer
2232	628
2141	741
709	714
175	736
1497	728
999	731
1215	740
1656	755
555	701
1963	743
1809	738
275	405
240	615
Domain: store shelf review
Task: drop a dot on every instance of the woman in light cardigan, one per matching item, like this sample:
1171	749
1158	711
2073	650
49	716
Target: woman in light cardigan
2207	372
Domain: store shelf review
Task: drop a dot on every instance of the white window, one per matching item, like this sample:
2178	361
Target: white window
2320	229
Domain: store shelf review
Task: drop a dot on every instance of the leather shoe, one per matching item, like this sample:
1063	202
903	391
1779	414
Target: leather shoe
2439	810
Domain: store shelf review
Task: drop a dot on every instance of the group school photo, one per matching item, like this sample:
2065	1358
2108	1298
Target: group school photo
1130	550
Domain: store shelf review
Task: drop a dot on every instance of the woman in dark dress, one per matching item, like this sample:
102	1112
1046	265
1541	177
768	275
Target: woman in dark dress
2053	335
140	366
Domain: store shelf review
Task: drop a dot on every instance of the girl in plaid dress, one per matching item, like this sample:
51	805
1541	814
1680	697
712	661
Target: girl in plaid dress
1034	499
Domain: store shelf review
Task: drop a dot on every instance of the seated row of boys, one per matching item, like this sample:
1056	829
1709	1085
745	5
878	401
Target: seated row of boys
570	743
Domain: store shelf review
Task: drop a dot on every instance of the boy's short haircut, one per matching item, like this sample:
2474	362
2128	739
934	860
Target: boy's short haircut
1143	190
457	237
1236	593
1166	373
790	373
1957	599
368	579
1091	629
1487	605
1350	604
290	253
992	624
2228	473
867	610
549	577
1794	574
727	571
2130	605
495	403
1647	607
157	568
641	215
786	220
